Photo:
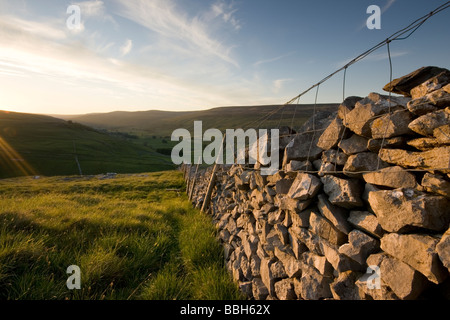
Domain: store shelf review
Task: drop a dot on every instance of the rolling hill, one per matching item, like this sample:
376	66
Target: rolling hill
162	123
41	145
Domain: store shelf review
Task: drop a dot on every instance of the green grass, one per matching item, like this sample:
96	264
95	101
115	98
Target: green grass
130	237
41	145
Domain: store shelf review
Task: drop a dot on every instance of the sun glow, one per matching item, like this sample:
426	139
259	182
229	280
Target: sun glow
11	159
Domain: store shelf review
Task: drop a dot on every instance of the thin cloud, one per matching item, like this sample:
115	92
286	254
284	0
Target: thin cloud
279	83
374	57
165	19
260	62
126	48
227	12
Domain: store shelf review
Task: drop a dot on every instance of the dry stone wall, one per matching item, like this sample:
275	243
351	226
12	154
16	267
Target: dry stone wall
360	208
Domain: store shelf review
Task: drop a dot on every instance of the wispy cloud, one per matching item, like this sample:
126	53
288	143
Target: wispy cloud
387	5
164	18
270	60
95	8
374	57
126	48
279	83
227	12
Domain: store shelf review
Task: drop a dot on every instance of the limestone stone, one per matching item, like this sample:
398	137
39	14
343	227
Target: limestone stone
297	246
360	246
295	165
282	186
304	144
418	251
282	232
432	84
391	125
246	288
286	134
325	229
442	134
271	242
335	157
297	287
292	266
436	183
320	263
344	193
250	245
375	145
326	168
367	292
284	289
243	180
443	249
421	107
277	270
402	210
405	84
304	187
255	266
435	159
314	286
439	98
388	100
404	281
367	222
354	144
300	219
361	117
287	203
266	275
347	105
340	262
424	144
336	215
362	162
344	287
259	290
392	177
426	124
332	134
311	240
245	268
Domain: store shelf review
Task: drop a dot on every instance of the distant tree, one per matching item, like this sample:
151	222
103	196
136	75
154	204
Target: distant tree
164	141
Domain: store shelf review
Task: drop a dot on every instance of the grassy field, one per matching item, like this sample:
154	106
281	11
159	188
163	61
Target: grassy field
41	145
131	238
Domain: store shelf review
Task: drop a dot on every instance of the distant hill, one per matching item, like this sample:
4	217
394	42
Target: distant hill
41	145
162	123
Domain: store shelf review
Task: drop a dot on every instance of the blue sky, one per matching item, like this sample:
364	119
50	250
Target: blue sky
197	54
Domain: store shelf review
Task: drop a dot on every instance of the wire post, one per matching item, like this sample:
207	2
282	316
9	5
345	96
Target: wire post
389	104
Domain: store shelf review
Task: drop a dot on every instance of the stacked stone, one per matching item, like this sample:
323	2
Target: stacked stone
360	208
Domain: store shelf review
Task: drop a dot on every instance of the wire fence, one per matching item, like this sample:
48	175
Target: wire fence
401	34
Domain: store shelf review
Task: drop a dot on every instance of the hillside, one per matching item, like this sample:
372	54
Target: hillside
41	145
162	123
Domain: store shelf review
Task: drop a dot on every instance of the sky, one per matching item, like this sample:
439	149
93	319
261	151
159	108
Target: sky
177	55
